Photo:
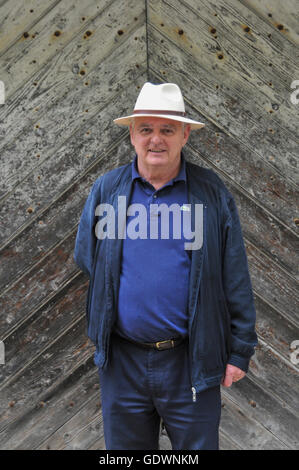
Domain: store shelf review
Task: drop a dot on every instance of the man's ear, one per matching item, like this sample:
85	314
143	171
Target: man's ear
187	131
131	134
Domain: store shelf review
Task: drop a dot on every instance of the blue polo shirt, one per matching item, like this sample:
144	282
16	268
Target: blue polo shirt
154	278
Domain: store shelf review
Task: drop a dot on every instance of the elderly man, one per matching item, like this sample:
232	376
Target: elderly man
171	319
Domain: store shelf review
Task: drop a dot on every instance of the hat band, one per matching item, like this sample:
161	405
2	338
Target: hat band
159	111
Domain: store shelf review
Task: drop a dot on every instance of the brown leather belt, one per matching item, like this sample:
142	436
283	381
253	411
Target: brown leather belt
159	345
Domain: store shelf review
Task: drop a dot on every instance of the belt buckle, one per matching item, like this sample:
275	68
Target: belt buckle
163	342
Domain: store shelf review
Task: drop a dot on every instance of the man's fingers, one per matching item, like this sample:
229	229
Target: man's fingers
232	374
227	380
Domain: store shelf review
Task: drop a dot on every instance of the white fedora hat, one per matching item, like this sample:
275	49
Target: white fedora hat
165	101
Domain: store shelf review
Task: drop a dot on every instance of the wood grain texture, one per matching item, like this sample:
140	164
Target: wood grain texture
282	16
228	100
17	18
70	68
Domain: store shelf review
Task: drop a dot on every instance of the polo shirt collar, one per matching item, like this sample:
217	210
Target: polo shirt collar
181	176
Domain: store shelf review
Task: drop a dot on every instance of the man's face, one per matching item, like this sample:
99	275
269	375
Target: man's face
158	142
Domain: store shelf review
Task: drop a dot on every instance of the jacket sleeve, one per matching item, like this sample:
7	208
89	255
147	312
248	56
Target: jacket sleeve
238	290
86	239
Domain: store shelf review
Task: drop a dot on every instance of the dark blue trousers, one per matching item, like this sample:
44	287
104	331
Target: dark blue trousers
140	387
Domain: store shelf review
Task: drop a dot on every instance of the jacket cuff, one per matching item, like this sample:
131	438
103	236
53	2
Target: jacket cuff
239	361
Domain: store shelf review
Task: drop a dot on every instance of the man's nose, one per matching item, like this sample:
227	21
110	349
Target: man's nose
156	137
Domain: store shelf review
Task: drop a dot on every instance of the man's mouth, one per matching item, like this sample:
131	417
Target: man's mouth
156	151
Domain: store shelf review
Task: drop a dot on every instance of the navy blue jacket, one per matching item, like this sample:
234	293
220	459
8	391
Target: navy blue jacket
221	309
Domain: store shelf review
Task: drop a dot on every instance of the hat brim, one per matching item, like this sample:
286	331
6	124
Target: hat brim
126	120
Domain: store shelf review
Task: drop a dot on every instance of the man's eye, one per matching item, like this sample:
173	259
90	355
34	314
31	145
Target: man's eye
167	131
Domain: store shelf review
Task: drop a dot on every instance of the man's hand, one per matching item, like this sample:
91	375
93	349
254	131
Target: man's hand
232	374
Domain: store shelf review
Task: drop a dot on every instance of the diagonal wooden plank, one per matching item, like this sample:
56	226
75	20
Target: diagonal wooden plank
99	444
238	107
247	432
46	417
61	168
278	244
275	287
73	64
39	330
273	328
226	442
257	134
44	234
259	404
47	37
79	432
53	273
264	59
275	376
239	60
17	18
269	43
65	102
41	380
283	16
246	170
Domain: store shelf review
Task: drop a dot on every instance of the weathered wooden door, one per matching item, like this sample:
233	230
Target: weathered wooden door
67	68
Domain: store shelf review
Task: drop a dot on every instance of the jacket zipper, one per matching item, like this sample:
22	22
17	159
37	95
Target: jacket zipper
193	389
